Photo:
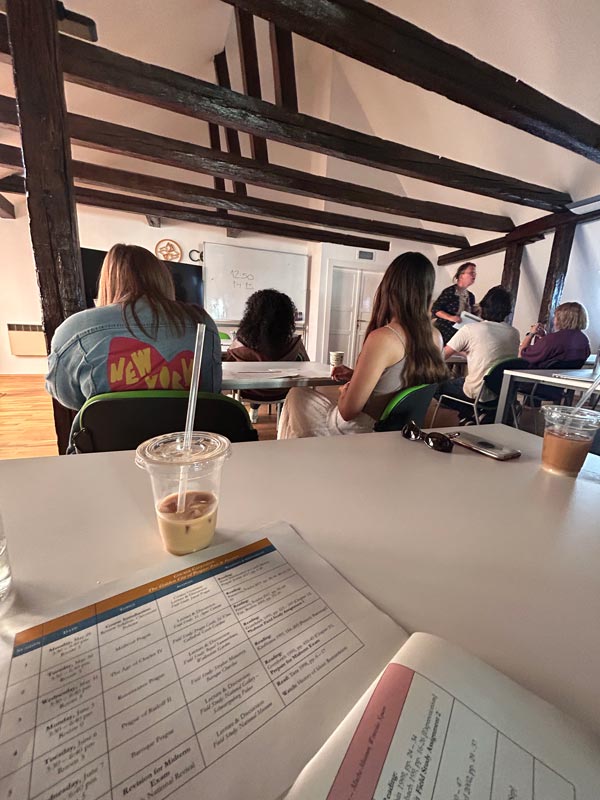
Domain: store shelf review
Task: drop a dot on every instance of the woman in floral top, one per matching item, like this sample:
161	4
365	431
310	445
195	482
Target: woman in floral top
454	300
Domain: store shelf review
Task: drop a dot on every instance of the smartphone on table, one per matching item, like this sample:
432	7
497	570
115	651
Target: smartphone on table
498	451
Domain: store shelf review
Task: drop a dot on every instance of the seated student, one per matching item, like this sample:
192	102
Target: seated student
401	349
484	343
138	337
266	333
566	348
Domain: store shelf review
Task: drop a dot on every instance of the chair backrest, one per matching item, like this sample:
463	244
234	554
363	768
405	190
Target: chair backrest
409	404
123	420
493	377
224	337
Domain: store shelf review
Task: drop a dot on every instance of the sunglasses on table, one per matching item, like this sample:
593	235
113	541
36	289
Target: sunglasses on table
437	441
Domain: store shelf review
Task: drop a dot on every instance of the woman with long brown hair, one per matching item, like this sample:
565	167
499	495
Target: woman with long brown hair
138	337
399	351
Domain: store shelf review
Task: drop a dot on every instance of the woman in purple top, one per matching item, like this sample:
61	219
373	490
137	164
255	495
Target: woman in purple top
567	347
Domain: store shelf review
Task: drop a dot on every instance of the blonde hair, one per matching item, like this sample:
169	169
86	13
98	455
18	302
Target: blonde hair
570	317
130	273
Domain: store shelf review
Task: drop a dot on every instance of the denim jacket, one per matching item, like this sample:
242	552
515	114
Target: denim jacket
94	352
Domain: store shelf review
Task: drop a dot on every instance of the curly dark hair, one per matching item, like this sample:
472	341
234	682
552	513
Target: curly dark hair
268	323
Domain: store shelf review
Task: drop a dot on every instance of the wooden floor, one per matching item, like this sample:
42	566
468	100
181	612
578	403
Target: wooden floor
27	425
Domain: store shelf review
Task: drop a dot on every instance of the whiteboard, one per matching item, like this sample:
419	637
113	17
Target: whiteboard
232	274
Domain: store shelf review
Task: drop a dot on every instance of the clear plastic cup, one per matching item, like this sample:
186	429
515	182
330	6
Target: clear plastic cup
568	436
199	468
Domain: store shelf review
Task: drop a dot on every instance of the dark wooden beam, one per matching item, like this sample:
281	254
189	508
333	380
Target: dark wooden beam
47	160
376	37
250	73
215	143
151	147
7	210
102	69
165	188
137	205
483	249
557	272
550	223
284	71
153	221
511	272
70	22
232	137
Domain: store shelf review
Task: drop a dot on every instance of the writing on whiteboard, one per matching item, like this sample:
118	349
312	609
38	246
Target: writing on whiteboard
242	280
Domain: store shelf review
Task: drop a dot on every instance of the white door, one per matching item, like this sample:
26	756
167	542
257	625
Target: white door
352	293
368	286
345	287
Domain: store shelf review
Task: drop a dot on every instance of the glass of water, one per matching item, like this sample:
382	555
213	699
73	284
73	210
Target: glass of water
5	576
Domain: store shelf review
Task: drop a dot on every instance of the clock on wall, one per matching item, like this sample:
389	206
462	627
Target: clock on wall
168	250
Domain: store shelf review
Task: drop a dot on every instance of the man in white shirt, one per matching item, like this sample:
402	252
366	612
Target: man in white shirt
484	343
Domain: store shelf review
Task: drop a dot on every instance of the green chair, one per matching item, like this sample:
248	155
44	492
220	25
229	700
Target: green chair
409	404
492	381
224	337
122	420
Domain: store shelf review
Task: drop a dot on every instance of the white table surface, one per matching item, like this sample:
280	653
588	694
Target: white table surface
568	379
500	557
275	374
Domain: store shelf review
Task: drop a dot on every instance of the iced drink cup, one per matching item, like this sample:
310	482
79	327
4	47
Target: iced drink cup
568	436
199	469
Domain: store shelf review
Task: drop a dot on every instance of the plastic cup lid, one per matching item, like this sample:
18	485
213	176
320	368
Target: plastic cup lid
571	417
167	450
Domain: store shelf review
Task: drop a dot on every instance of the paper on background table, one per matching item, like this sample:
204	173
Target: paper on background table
439	724
222	688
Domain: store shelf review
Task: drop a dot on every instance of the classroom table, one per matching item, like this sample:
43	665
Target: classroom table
499	557
563	378
240	375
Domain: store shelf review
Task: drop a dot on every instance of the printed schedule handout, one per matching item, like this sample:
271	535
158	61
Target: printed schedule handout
220	680
438	724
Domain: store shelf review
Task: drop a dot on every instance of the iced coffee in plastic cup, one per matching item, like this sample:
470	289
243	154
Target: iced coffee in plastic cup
568	436
198	472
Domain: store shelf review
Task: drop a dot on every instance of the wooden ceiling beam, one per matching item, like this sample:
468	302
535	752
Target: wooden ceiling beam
483	249
557	272
373	36
143	206
232	137
70	22
157	208
250	73
96	67
7	210
108	177
151	147
284	71
47	160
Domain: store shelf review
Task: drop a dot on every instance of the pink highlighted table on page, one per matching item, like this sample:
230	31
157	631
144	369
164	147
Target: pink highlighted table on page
361	768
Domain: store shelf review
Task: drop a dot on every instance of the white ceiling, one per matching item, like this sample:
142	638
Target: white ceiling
548	43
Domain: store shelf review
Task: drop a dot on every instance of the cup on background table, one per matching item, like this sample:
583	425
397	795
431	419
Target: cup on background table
568	436
336	358
5	573
198	470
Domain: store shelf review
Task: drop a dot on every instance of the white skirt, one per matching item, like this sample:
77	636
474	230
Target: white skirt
307	412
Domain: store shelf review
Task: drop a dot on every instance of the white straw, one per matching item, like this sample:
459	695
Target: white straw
587	394
191	413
